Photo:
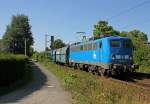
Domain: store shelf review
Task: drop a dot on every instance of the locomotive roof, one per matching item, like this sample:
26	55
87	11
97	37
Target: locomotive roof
116	37
100	38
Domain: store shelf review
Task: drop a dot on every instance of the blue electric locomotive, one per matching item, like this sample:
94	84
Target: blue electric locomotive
108	55
111	55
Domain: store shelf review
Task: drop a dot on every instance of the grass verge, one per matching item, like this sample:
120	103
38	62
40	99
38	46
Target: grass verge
91	89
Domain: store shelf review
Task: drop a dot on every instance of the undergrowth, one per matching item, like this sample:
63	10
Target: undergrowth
91	89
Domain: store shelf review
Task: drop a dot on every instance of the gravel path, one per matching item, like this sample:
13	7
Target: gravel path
44	89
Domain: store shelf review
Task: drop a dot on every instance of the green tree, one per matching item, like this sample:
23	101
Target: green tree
123	34
16	33
58	44
141	49
103	28
137	35
1	45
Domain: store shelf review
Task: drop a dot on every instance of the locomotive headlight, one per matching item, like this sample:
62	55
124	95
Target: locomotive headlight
113	57
130	57
126	57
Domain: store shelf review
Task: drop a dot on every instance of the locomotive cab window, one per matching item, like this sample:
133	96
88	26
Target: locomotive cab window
115	43
127	44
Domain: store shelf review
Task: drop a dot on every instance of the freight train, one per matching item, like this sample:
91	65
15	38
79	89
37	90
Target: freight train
107	56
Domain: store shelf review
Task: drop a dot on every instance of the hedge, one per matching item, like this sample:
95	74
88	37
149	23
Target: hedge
12	68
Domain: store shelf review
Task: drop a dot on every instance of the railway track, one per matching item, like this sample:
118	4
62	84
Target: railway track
143	84
134	84
139	80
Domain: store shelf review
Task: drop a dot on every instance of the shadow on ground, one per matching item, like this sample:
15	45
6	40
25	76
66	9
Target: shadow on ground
132	77
39	80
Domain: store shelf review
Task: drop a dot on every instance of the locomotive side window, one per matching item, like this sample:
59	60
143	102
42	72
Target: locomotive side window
72	49
115	43
127	44
94	46
81	47
90	46
75	49
85	47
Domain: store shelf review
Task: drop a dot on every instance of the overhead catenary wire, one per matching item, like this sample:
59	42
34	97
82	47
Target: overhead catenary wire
129	10
127	26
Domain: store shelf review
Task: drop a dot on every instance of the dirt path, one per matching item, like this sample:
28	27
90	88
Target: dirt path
44	89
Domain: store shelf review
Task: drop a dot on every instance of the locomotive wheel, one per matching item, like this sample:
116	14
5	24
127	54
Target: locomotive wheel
80	66
71	65
75	66
101	73
95	71
90	69
107	73
85	68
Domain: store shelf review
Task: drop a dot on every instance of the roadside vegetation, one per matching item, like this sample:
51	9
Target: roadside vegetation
91	89
15	69
15	72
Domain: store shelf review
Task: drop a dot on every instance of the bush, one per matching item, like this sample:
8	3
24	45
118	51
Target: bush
12	68
42	56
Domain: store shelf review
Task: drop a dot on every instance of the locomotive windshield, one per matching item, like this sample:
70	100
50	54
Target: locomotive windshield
115	43
127	44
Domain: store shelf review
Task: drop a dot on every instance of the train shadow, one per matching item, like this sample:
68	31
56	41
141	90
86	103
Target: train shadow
133	77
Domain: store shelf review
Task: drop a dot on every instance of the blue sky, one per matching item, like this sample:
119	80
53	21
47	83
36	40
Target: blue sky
63	18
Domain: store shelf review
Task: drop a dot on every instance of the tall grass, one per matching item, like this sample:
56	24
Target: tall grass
91	89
